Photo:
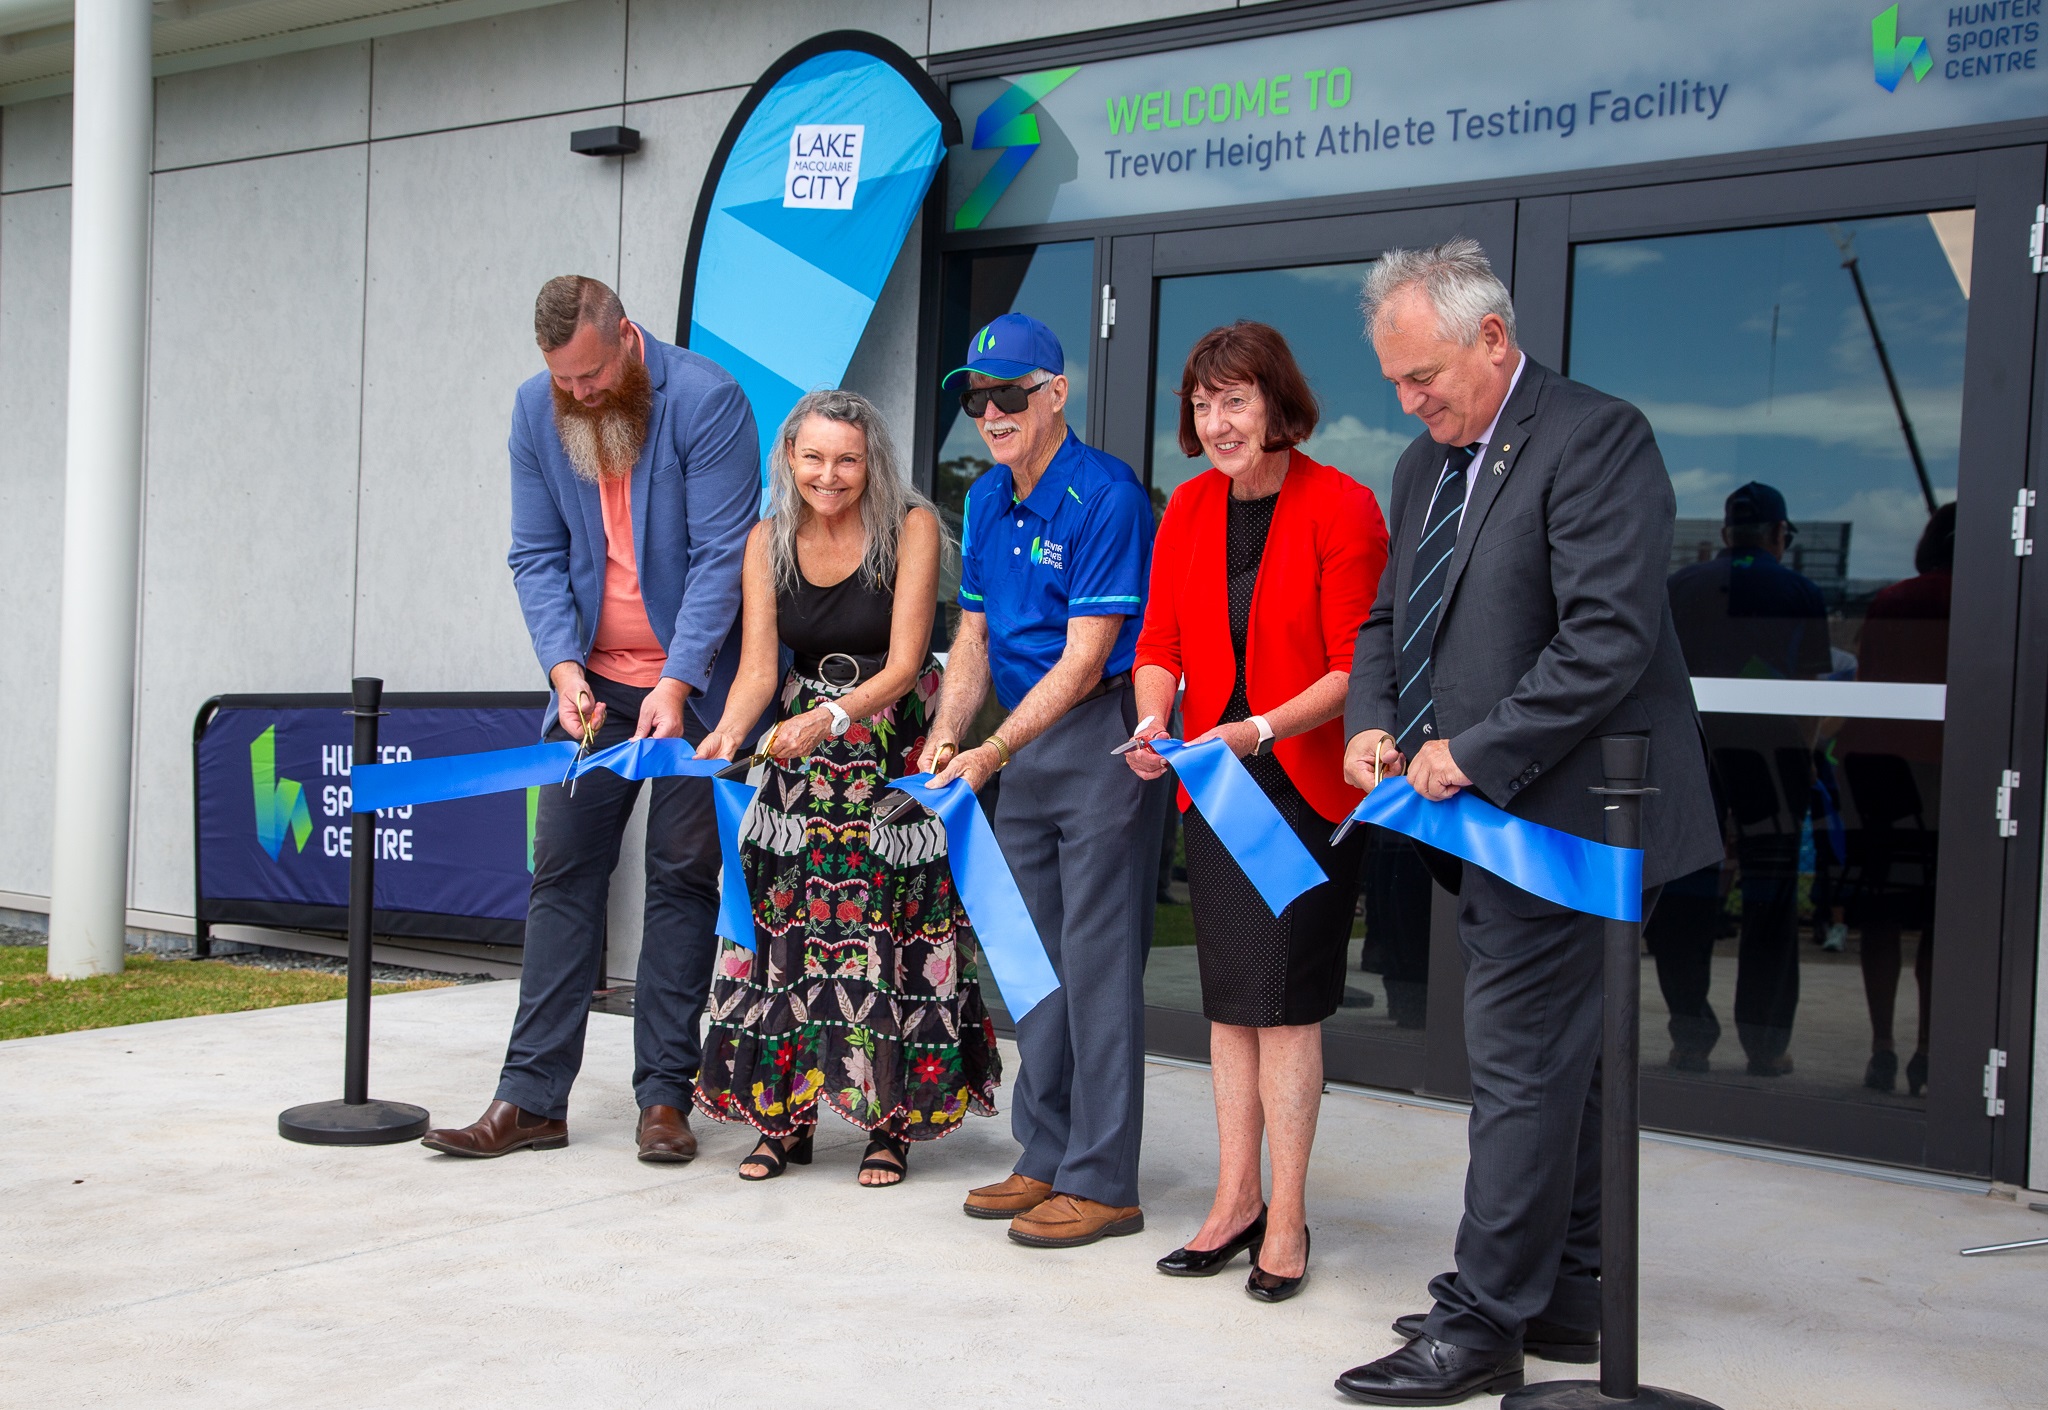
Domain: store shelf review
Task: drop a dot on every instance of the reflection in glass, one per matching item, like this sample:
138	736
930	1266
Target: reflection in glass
1805	384
1362	433
1052	283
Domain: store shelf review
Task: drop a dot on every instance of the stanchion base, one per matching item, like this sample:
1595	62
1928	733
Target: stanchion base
338	1123
1585	1395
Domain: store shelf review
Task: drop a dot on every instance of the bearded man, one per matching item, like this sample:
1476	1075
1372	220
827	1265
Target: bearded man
635	480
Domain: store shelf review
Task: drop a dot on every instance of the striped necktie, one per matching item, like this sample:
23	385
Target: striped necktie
1415	706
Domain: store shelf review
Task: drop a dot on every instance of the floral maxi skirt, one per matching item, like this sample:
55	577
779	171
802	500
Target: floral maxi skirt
861	992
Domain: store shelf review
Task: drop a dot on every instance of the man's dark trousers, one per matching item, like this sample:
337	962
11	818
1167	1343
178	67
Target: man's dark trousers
1078	829
1532	1034
575	846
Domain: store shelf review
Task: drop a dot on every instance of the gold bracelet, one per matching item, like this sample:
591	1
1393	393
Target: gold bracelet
1002	752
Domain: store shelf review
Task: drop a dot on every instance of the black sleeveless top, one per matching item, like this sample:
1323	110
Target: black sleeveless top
850	616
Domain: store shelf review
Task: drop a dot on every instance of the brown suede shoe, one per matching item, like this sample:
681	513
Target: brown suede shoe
666	1137
1068	1221
1008	1198
502	1128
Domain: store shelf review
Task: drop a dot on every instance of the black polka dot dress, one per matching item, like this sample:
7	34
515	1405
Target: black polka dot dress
1260	970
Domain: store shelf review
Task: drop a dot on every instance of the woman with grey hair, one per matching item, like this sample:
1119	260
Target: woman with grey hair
860	992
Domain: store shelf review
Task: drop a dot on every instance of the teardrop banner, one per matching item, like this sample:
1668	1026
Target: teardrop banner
803	212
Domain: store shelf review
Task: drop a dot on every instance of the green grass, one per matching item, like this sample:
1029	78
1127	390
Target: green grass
32	1003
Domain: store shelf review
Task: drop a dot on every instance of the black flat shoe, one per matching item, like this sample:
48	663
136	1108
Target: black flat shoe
1207	1262
1427	1372
1271	1287
777	1157
1547	1341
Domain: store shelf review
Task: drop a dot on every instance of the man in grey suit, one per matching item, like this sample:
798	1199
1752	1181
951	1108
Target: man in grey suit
1522	618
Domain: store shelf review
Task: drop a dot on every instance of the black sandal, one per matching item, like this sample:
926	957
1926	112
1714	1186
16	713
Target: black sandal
885	1144
777	1157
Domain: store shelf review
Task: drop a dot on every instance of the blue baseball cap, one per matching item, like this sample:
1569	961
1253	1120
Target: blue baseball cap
1755	503
1010	347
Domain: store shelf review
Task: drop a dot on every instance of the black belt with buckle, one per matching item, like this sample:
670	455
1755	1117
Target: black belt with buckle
1105	686
841	669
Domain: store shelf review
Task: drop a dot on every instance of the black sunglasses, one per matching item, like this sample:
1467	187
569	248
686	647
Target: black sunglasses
1008	397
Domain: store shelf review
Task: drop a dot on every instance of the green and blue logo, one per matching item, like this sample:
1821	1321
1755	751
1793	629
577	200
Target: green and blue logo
1037	550
1891	57
1005	124
280	802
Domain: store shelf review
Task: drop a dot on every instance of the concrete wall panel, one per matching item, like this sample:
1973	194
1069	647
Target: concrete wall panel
554	59
319	98
35	263
688	48
248	542
973	24
35	144
663	181
464	229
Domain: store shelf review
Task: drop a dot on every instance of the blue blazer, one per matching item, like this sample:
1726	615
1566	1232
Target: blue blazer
696	495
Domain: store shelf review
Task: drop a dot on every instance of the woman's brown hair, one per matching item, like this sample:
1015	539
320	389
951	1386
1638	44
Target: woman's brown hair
1245	351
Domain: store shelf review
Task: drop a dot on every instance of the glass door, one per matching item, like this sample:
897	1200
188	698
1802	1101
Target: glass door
1838	389
1396	1028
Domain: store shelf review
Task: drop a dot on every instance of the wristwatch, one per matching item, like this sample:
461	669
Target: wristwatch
1265	744
841	721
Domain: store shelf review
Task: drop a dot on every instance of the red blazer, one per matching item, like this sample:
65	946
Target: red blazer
1317	581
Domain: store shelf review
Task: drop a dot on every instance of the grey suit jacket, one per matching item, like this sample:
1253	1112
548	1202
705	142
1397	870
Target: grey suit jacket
1555	628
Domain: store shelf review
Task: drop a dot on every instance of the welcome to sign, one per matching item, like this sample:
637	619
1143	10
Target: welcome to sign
1476	93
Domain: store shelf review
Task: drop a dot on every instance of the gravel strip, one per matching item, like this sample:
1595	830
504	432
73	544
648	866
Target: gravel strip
265	957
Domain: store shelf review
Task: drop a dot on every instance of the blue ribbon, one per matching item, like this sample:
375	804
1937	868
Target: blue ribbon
1243	819
1571	871
1009	941
374	787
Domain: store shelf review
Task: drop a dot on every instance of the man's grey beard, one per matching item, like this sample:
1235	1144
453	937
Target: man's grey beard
603	445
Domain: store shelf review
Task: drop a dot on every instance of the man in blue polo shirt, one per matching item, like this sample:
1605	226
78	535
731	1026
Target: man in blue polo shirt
1055	550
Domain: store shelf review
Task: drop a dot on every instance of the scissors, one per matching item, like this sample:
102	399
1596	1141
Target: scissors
1351	820
901	806
739	768
1133	744
589	729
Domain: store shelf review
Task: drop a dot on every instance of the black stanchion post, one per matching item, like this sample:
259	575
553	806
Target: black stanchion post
355	1120
1625	759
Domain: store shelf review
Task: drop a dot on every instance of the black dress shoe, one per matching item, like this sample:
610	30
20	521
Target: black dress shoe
1271	1287
1427	1372
1547	1340
1204	1263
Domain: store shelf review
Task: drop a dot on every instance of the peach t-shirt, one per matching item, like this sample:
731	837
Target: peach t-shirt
625	648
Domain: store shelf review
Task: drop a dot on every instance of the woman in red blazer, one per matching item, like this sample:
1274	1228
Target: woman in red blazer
1262	573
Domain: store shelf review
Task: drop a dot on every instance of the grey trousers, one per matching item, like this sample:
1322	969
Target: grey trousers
1081	834
1529	1243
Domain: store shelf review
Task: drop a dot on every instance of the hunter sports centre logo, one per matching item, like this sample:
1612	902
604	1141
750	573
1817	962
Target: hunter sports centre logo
1005	125
280	802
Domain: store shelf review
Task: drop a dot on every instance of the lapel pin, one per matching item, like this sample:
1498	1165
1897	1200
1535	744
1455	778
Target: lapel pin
1500	467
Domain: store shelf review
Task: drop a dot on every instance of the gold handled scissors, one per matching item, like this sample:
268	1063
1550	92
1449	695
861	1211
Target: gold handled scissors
739	768
1351	820
589	728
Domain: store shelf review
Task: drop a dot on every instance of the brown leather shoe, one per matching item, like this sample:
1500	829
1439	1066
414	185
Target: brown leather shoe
666	1137
1068	1221
1008	1198
502	1128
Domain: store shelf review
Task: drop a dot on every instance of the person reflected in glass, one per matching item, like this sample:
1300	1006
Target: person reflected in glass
1265	567
1745	613
860	992
1894	773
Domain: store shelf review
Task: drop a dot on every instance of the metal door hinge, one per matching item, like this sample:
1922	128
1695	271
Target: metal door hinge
2008	825
1994	1105
1108	310
2022	544
2037	242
